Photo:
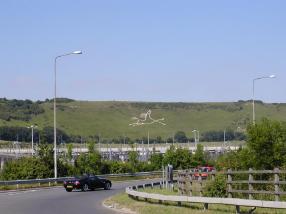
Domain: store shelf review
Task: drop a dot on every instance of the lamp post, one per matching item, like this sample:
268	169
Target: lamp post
55	116
195	135
253	98
32	128
148	141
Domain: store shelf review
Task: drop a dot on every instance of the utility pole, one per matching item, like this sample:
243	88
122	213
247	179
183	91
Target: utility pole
32	128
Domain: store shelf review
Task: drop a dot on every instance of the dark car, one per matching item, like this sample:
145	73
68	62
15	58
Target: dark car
87	182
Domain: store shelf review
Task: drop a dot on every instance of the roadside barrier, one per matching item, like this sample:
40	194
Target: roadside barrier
50	181
132	192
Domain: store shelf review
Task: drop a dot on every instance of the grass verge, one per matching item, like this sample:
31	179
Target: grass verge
123	202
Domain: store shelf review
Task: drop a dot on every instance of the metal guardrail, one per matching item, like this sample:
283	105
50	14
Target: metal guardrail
237	202
62	179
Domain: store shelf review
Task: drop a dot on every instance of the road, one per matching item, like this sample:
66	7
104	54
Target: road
58	201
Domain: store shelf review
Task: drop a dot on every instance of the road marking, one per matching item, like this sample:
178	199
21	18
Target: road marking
18	192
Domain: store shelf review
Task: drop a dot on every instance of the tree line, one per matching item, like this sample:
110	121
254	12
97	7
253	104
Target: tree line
265	149
23	134
42	165
19	109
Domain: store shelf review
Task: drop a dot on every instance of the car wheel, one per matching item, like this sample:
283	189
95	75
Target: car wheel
85	187
107	186
68	190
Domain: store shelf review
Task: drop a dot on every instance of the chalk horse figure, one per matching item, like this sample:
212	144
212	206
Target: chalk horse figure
146	119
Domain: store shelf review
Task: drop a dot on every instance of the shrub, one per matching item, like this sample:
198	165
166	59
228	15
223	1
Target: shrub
216	188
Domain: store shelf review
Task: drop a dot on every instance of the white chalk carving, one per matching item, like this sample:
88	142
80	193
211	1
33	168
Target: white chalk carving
146	119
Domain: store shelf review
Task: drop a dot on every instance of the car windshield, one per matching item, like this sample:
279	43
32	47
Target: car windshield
84	176
81	176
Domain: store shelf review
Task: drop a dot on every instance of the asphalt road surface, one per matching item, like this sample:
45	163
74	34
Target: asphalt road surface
58	201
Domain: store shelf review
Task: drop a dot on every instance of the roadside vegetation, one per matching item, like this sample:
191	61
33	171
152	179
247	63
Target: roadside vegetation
265	149
41	165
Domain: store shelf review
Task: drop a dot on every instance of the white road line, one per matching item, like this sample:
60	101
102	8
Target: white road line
19	192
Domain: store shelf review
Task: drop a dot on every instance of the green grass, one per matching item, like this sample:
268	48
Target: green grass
122	201
112	119
195	189
162	191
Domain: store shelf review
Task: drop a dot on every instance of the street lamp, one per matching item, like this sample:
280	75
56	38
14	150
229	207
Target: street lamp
195	135
55	97
253	84
32	128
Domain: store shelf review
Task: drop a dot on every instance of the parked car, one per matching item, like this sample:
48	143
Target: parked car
203	172
87	182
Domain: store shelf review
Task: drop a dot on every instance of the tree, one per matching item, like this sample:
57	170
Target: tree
91	147
266	143
69	151
47	135
179	158
156	160
184	158
211	136
46	155
170	157
266	148
159	139
199	156
133	160
180	137
89	163
117	167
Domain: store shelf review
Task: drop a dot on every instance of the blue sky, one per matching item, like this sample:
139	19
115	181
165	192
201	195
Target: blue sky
144	50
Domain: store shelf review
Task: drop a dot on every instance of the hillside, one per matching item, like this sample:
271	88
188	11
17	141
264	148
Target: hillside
112	119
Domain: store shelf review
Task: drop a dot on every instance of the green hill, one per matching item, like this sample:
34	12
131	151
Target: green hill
111	119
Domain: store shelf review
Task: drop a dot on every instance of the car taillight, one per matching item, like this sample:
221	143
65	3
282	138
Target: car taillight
77	183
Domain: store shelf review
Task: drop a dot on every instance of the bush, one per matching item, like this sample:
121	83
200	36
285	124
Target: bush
25	168
117	167
216	188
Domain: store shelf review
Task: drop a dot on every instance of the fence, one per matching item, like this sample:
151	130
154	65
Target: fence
234	181
186	179
133	192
